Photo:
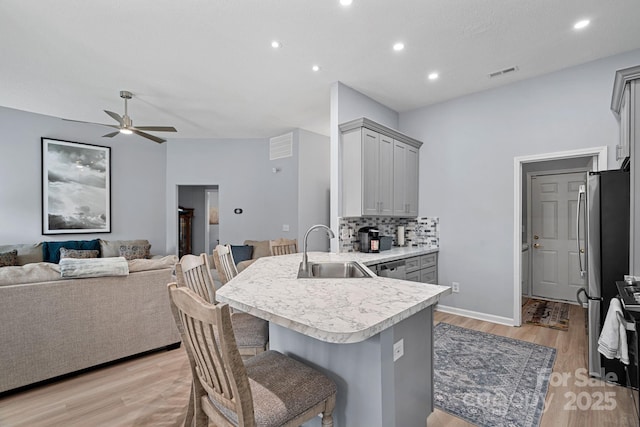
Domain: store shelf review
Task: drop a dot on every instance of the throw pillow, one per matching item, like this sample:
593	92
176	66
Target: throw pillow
241	253
130	252
9	259
77	253
51	250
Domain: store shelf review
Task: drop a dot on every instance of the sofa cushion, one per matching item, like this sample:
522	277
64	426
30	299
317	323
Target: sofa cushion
77	253
111	248
26	253
241	253
155	263
9	259
260	248
93	267
130	252
34	272
51	250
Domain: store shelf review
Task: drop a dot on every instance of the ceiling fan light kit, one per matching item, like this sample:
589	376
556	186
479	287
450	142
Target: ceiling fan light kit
125	124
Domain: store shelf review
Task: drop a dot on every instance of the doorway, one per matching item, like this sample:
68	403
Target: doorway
593	159
212	222
199	198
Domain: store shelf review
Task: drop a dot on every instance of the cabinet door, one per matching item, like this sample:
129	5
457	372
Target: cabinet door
429	275
622	149
413	276
385	171
370	171
411	189
399	178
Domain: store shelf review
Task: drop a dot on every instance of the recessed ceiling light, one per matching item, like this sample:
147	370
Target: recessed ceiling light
433	76
316	68
581	24
398	46
346	2
276	44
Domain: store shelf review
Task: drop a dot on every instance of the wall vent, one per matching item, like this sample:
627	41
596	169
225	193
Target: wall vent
281	146
503	72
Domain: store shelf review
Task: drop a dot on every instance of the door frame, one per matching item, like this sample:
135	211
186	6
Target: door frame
599	155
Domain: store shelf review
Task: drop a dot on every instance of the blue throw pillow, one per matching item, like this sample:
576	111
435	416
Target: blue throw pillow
241	253
51	250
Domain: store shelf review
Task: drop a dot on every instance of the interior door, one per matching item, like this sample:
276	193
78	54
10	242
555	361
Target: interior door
554	263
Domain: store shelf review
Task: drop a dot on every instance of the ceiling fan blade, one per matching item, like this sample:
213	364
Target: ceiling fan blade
157	128
148	136
115	117
92	123
111	135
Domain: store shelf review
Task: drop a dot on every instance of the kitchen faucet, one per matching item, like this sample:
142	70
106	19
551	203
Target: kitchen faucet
305	259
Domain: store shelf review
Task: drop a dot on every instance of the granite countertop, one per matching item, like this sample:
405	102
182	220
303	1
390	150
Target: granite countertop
331	310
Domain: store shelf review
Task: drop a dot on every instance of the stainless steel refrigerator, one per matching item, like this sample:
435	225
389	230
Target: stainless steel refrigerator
602	221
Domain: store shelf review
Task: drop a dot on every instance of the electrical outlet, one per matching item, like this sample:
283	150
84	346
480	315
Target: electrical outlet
455	287
345	234
398	350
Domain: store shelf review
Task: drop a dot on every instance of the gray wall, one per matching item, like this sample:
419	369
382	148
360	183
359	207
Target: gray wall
466	167
243	173
138	169
313	188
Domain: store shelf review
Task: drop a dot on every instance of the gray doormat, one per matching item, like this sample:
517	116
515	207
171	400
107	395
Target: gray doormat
489	380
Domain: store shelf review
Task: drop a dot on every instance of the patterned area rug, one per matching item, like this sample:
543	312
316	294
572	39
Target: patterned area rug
489	380
550	314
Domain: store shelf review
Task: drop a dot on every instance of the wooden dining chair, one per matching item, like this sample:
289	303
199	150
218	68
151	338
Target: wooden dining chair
223	260
283	246
252	333
268	390
194	272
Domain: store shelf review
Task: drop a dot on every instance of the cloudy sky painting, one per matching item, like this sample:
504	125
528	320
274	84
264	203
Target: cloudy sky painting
76	187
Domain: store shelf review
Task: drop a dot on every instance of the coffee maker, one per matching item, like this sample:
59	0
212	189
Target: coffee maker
369	239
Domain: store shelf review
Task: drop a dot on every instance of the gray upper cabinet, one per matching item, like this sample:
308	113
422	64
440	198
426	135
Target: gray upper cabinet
405	179
625	104
379	170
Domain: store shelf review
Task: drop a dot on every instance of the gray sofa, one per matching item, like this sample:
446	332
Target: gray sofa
51	326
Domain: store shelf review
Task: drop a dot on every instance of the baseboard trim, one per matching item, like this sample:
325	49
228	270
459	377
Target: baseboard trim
475	315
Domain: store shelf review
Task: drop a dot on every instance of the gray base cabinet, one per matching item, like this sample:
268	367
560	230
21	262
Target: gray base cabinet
422	268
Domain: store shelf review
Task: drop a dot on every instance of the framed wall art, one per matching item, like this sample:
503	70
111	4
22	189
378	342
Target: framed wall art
76	187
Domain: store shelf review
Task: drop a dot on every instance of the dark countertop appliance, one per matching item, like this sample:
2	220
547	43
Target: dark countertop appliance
369	239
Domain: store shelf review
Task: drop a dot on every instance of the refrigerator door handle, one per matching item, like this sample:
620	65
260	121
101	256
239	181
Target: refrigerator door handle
588	297
581	194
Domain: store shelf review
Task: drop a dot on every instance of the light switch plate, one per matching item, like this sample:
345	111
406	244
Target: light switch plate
398	350
285	227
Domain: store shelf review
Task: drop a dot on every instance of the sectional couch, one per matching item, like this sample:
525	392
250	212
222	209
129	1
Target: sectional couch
52	325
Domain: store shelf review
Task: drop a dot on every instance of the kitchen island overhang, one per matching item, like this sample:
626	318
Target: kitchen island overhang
347	328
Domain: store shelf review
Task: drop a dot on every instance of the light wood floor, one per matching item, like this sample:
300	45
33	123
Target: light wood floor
153	390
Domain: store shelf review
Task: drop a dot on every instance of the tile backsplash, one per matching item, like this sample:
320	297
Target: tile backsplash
417	231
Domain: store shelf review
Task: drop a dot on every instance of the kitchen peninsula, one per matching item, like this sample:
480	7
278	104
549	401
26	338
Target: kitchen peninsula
349	329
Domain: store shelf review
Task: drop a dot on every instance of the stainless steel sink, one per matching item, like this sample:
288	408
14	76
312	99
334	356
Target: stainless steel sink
333	270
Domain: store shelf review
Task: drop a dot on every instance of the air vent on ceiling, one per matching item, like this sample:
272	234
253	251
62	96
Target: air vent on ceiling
503	72
281	146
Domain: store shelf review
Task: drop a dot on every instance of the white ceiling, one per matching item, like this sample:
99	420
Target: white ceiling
207	66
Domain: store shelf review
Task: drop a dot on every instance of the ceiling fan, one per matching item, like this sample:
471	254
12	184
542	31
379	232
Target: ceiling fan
125	124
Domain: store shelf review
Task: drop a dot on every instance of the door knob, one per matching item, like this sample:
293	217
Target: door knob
535	237
536	245
581	251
